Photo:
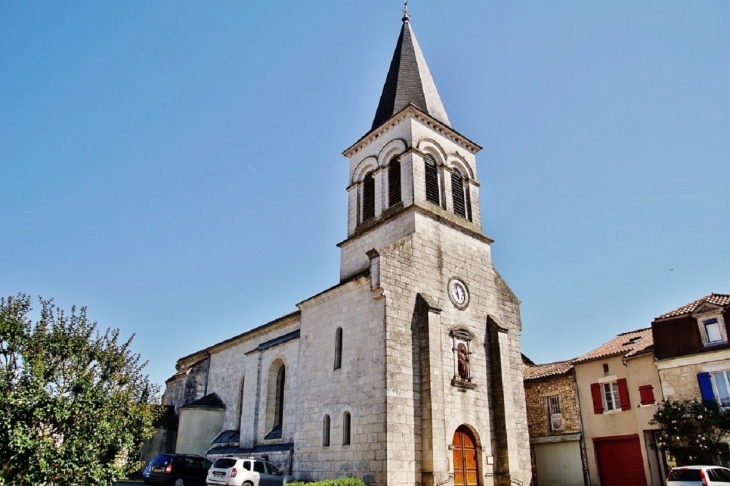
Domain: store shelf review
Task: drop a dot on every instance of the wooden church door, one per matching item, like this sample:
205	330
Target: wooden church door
466	467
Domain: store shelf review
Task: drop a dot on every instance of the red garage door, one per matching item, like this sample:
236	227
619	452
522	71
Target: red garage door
619	461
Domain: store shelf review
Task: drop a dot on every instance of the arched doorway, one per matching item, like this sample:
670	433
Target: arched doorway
466	465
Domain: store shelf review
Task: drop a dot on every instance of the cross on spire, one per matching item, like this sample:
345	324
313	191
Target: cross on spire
406	15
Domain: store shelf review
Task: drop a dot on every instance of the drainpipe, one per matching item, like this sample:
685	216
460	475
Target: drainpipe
584	451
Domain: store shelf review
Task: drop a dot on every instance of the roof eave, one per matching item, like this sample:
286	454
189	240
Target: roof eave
418	114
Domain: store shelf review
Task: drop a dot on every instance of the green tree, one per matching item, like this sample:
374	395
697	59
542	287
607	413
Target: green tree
691	431
74	403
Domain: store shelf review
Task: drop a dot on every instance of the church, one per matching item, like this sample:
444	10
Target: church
408	371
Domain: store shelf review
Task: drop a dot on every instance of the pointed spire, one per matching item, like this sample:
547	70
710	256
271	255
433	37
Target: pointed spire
409	81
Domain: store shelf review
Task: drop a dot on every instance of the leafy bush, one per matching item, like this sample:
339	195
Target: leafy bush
75	405
331	482
691	431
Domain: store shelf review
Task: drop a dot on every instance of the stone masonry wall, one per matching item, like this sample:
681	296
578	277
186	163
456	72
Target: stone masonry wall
238	365
358	387
680	382
536	394
423	264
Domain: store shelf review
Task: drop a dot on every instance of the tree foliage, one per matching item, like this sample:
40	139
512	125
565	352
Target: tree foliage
74	403
691	431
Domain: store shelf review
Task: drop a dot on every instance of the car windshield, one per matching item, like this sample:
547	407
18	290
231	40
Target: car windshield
719	474
684	475
224	463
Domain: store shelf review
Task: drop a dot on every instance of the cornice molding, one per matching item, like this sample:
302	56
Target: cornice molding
412	112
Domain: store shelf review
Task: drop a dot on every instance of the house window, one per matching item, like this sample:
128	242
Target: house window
556	417
720	380
715	387
346	429
368	198
433	191
460	196
646	392
394	196
326	431
610	395
338	348
712	329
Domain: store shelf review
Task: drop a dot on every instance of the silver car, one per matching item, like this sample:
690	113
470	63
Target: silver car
236	471
698	476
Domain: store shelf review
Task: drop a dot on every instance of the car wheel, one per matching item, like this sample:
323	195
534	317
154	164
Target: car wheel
248	483
179	482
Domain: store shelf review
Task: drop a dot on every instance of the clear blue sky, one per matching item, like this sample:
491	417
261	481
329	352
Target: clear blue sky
176	166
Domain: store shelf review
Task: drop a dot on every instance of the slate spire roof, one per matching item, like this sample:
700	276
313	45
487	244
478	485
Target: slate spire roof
409	82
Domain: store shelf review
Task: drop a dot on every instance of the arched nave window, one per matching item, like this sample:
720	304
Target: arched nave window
240	405
279	411
346	429
338	348
275	399
326	431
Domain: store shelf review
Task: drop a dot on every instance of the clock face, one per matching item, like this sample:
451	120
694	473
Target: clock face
458	293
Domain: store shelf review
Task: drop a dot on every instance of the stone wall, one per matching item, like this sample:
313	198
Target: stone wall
422	265
357	387
536	394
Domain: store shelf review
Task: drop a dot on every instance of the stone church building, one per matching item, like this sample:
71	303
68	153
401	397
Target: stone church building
408	371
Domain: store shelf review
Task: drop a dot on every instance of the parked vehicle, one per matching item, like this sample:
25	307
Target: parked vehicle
698	476
235	471
177	470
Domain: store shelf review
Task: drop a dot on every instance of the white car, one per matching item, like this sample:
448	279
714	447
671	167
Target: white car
236	471
698	476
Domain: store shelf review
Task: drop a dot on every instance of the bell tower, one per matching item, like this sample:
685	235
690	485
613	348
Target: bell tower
411	160
450	324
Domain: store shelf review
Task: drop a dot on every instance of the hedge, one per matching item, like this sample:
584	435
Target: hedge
330	482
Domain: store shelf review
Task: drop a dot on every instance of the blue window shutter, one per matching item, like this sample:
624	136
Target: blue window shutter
705	381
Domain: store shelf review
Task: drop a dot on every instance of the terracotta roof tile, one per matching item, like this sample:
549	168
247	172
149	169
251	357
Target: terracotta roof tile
717	299
627	344
534	372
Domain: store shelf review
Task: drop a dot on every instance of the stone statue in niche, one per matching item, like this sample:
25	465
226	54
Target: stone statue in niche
462	356
463	362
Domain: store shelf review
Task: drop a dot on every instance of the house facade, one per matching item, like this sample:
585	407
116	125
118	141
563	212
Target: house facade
618	386
407	371
692	350
554	422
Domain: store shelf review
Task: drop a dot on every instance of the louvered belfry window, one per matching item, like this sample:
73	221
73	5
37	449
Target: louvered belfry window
368	198
393	183
457	191
432	181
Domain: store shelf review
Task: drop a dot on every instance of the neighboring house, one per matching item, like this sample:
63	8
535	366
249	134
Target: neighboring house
617	383
692	350
408	370
553	417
